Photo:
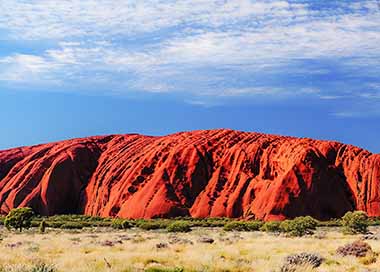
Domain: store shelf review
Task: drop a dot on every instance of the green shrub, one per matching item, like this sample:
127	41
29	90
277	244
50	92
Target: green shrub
35	223
152	225
102	224
208	222
72	225
54	224
254	225
19	218
2	219
179	226
271	226
355	222
243	226
77	218
57	221
373	221
235	226
299	226
118	223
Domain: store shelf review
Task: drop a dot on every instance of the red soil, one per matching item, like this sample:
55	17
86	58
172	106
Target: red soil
213	173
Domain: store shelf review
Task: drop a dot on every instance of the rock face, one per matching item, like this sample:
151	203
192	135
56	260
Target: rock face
213	173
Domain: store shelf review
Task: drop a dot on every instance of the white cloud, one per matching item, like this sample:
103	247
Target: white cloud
313	39
331	97
27	68
370	95
260	91
357	113
69	18
375	86
162	46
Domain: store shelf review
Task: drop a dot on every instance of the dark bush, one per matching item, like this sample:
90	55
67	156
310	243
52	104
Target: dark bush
358	249
126	224
301	259
162	245
206	240
42	226
371	236
355	222
42	267
179	226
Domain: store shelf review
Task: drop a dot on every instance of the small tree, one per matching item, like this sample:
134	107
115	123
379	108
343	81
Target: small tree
19	218
42	226
355	222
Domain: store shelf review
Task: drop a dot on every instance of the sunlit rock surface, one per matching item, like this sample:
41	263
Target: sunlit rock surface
210	173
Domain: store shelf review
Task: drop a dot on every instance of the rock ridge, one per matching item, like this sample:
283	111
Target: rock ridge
205	173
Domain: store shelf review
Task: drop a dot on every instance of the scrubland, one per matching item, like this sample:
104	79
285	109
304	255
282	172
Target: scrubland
95	249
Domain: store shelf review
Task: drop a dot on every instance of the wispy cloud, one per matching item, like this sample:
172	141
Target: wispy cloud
331	97
200	48
358	112
28	68
101	18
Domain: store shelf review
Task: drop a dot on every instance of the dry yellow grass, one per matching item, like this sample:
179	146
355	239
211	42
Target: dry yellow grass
135	250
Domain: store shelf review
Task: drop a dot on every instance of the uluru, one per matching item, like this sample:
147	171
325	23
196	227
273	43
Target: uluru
206	173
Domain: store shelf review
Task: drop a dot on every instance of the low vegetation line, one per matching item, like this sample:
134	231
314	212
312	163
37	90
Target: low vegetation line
23	218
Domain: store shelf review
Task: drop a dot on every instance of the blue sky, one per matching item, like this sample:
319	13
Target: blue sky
305	68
